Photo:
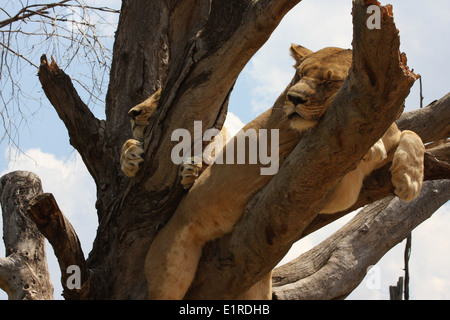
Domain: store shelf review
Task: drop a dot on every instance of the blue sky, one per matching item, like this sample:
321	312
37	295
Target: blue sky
424	29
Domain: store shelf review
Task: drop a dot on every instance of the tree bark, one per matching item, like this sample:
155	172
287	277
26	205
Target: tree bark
335	267
23	272
430	123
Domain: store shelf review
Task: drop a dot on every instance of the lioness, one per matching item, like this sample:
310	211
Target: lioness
173	256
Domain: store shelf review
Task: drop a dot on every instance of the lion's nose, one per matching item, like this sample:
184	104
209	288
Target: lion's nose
134	113
296	99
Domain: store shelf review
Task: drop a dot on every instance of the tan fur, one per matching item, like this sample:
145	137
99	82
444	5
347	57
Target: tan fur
140	113
173	256
131	157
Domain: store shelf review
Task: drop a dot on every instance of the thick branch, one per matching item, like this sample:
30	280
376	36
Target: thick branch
24	272
430	123
334	268
59	232
370	99
85	131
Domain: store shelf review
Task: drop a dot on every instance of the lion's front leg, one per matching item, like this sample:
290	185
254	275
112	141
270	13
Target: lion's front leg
407	166
190	170
131	157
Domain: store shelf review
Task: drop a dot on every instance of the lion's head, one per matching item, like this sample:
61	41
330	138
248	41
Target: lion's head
319	76
139	114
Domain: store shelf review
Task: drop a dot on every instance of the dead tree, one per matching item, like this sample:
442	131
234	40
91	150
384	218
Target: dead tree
195	51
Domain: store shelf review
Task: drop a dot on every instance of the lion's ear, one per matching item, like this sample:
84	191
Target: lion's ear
299	53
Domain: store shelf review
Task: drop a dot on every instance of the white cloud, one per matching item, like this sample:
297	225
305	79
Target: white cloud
269	80
315	238
233	124
297	249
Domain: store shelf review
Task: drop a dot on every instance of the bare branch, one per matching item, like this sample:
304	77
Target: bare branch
26	12
74	33
85	131
346	255
430	123
42	10
57	229
18	54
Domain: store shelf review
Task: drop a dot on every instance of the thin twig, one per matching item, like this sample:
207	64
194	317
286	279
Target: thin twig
421	95
407	255
18	54
25	12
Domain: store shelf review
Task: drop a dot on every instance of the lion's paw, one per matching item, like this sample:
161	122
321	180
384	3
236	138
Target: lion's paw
131	157
377	153
189	171
407	168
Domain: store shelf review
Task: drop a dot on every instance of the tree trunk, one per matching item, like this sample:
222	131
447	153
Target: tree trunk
196	55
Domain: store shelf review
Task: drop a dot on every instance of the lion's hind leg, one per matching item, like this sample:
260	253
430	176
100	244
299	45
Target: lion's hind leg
407	166
171	261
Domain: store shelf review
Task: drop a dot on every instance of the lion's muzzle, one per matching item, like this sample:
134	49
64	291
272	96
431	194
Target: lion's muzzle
310	112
